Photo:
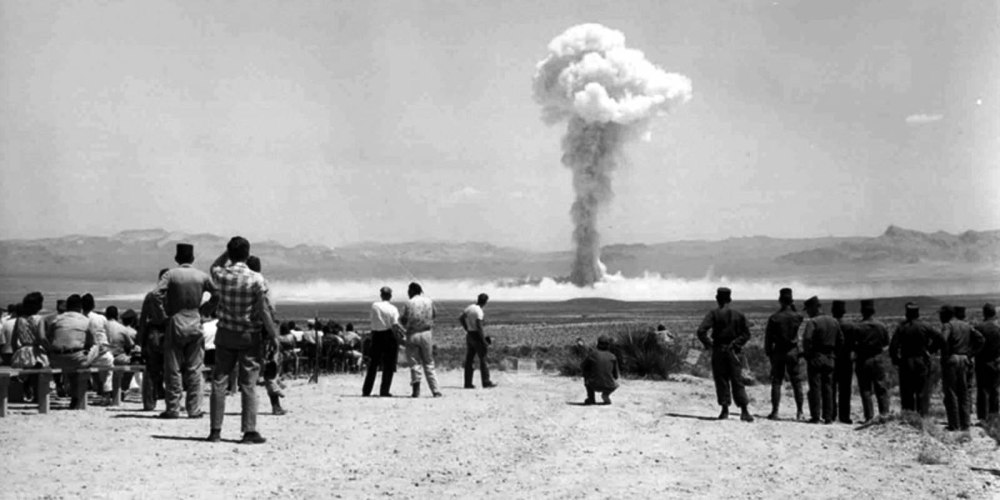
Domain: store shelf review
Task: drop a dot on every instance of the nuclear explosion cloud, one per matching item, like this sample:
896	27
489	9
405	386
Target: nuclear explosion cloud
609	94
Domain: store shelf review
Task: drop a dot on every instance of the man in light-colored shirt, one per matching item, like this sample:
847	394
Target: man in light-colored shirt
71	336
418	319
101	352
7	335
385	344
476	342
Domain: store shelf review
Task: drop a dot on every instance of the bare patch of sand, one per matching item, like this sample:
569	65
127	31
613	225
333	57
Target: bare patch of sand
526	438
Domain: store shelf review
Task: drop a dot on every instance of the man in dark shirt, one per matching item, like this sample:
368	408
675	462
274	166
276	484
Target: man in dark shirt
781	344
988	366
149	337
730	333
961	343
600	372
819	344
910	350
843	367
181	290
71	336
872	339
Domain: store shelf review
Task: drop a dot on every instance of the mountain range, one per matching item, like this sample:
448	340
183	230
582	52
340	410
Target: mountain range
136	255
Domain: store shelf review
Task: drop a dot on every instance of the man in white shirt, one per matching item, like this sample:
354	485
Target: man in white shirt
7	335
101	352
418	319
476	342
385	344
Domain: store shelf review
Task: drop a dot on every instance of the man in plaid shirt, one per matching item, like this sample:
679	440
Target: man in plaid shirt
243	315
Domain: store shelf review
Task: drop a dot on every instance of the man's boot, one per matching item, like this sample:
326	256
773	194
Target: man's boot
775	401
745	414
724	414
416	390
468	379
276	408
867	407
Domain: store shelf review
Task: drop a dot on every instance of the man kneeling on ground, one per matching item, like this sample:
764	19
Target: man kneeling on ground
600	372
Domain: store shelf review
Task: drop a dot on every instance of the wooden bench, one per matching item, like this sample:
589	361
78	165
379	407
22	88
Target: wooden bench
45	378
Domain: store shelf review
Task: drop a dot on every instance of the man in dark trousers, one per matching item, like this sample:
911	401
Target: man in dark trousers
384	350
843	369
730	333
150	338
961	343
476	342
872	339
243	316
781	344
600	372
181	290
270	353
910	350
819	344
988	366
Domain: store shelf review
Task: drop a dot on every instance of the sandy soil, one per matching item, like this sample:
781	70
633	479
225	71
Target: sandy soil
526	439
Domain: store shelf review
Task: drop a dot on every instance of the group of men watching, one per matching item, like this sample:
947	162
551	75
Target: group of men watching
836	350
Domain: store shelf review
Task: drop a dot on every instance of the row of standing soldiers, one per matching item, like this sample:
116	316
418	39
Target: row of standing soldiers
836	350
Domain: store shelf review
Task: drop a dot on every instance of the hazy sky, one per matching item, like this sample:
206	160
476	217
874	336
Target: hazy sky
336	122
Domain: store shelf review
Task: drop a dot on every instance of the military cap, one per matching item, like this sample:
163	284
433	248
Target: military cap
867	305
812	301
912	306
185	252
946	309
785	294
838	306
723	292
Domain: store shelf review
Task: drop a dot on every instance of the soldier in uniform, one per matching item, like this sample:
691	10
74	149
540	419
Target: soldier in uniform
181	290
961	343
869	346
910	350
781	344
819	344
149	337
730	333
988	366
843	369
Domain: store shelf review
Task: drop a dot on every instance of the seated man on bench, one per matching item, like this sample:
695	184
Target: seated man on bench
71	338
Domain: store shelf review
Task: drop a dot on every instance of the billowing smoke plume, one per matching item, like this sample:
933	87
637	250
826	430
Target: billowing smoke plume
608	94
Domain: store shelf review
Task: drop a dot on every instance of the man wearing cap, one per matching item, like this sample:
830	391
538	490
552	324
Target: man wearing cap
180	291
961	343
843	368
872	339
271	351
819	344
244	317
384	348
71	336
910	350
150	339
781	344
730	333
988	366
476	342
418	318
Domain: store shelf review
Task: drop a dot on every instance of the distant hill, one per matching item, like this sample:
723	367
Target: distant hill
138	254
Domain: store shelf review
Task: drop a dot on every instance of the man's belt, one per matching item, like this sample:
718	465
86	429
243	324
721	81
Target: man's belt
68	351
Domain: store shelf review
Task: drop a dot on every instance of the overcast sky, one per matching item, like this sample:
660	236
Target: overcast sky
337	122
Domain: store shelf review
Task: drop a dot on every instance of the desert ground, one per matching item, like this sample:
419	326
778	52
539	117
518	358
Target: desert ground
528	438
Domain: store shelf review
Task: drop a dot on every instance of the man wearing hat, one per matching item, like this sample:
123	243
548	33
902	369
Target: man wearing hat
872	339
910	350
961	343
781	344
180	291
730	333
819	343
843	367
988	366
384	349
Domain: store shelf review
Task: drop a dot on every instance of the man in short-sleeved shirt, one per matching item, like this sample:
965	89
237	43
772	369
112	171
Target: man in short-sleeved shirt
418	319
476	342
385	344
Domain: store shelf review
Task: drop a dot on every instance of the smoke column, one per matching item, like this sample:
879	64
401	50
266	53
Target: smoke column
608	94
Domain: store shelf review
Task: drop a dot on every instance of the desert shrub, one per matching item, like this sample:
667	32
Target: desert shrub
642	354
932	453
992	428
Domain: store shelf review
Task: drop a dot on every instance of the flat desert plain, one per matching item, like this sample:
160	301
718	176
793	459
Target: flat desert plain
528	438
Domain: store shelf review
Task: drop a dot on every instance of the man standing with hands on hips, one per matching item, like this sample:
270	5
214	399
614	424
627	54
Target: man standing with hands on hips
476	342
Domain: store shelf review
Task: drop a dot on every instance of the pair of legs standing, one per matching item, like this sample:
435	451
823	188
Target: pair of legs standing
182	365
476	346
419	350
247	363
726	371
384	351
